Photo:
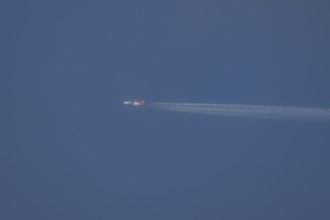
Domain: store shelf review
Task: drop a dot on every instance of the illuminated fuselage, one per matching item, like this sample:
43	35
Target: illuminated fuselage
134	103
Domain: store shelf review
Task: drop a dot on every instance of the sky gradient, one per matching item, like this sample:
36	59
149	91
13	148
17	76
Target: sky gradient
69	149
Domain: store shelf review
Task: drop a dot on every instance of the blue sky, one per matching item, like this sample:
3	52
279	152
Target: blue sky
70	150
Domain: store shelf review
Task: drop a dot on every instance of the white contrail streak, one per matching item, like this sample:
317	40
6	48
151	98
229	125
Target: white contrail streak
250	111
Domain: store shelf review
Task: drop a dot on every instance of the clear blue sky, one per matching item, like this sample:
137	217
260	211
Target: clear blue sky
70	150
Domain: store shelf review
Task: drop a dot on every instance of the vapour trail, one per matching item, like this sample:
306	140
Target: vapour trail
250	111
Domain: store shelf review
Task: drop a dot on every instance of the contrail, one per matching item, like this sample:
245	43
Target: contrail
250	111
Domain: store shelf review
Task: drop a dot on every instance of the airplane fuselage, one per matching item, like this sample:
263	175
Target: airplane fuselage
134	103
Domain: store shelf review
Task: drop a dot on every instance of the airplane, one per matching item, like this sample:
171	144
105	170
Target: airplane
139	102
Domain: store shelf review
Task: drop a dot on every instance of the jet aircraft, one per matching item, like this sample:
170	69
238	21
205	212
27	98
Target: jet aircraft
139	102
